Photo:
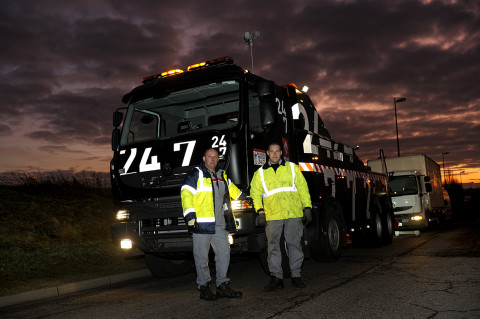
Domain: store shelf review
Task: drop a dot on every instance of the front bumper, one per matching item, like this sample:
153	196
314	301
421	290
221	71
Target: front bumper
411	222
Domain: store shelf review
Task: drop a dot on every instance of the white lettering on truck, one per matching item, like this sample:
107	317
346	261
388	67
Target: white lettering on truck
188	152
281	111
153	166
129	162
220	143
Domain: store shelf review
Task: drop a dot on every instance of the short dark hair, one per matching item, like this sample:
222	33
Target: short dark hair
274	143
211	148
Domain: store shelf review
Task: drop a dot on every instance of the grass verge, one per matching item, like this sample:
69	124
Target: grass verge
52	234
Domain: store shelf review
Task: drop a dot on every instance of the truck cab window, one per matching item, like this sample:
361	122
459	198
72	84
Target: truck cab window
143	126
403	185
211	106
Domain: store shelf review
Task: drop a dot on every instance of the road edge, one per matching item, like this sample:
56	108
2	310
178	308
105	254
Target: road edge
70	288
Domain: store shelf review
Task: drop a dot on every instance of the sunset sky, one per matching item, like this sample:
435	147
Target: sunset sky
65	66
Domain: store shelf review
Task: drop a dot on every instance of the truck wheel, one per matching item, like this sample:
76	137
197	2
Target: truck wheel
329	247
387	220
376	224
165	268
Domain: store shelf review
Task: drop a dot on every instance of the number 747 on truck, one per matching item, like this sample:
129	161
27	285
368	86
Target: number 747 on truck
173	117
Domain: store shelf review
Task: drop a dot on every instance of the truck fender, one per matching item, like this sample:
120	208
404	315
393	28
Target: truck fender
376	222
388	219
331	232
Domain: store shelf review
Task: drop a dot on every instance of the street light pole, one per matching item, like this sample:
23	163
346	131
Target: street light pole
395	100
248	38
443	161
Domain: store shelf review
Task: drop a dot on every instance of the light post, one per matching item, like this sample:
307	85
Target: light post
461	183
395	100
248	37
443	161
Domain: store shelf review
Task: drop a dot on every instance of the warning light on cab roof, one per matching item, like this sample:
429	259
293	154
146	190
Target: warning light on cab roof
196	66
171	72
161	75
201	65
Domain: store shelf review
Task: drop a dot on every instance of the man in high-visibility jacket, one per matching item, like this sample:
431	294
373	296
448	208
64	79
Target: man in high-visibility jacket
281	198
207	209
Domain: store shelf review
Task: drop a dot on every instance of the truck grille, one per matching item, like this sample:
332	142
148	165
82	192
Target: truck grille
167	225
165	182
161	216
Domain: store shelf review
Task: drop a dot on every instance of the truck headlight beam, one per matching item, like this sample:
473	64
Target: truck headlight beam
126	244
123	215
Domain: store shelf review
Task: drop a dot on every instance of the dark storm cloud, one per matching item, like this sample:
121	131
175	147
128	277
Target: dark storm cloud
65	65
5	130
82	117
56	149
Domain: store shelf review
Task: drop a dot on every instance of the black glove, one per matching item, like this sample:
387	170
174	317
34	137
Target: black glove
307	215
261	220
192	226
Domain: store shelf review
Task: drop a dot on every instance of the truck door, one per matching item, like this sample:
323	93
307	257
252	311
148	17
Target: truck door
279	131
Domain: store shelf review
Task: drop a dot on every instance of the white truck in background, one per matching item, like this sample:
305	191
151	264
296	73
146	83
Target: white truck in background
416	191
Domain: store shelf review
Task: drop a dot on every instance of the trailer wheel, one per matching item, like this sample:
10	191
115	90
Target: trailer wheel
332	230
388	220
165	268
376	224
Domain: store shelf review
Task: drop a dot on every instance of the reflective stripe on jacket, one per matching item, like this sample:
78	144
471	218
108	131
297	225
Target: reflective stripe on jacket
198	200
282	194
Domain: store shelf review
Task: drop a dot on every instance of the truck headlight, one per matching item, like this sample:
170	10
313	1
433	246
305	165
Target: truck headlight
241	204
126	244
123	215
416	218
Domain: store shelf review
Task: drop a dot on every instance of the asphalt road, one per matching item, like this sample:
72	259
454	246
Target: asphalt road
435	275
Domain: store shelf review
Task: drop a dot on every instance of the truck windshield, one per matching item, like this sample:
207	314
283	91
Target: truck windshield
403	185
187	111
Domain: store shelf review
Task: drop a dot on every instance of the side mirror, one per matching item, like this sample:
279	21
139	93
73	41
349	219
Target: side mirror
426	179
266	93
115	139
266	88
428	187
117	118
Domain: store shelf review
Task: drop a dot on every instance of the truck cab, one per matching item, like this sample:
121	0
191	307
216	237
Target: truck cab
409	192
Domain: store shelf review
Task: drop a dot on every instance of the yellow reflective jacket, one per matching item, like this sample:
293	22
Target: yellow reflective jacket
282	194
198	200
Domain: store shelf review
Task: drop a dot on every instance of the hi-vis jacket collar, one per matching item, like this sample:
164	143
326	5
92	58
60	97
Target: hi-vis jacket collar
267	192
267	164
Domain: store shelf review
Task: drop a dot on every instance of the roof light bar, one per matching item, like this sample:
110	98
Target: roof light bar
196	66
201	65
161	75
171	72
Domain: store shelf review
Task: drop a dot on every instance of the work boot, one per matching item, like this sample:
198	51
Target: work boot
297	282
225	291
206	293
274	284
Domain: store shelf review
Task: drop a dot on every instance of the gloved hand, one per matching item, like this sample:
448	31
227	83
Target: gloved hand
192	226
307	215
261	220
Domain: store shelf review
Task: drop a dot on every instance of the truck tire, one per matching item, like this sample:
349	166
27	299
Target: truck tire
331	231
165	268
388	220
376	223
